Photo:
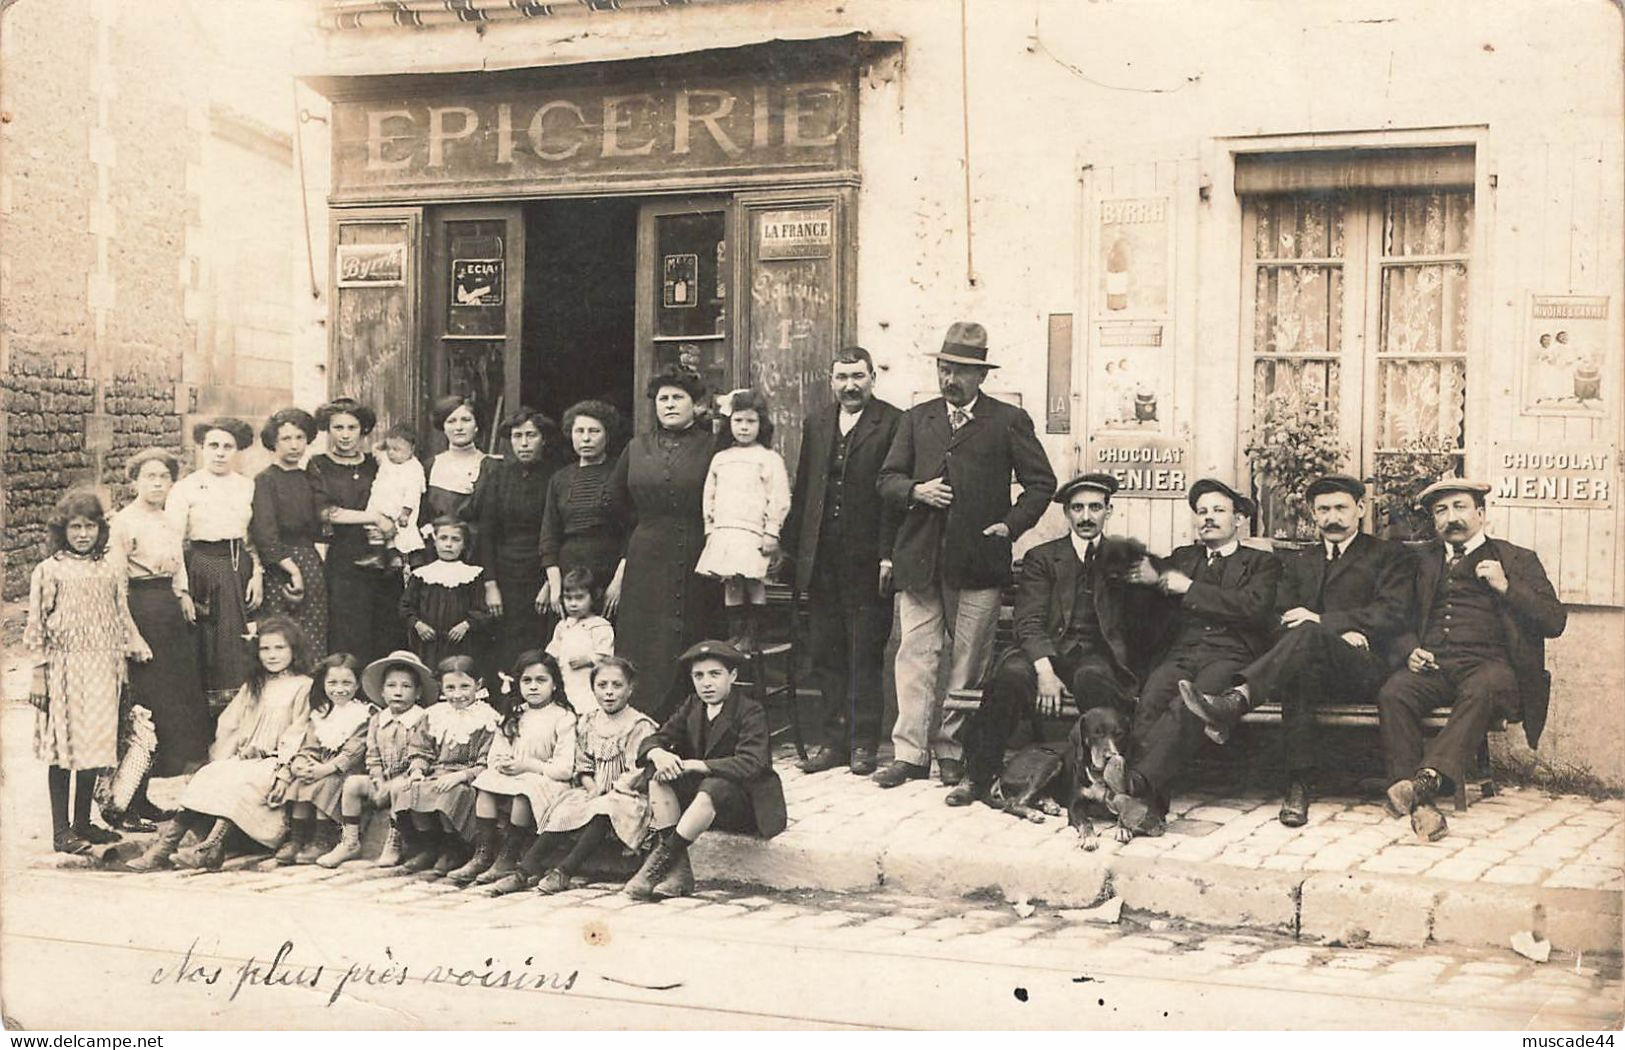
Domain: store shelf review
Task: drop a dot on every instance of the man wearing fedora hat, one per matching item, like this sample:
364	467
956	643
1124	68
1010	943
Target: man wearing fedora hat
948	471
1076	626
1340	603
1221	597
1481	609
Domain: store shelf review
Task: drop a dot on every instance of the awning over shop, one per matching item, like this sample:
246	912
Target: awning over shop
343	15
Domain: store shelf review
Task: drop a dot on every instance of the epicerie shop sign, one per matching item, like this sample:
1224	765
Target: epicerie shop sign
1148	467
1576	478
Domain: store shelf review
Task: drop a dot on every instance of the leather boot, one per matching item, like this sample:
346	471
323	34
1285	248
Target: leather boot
511	883
349	846
737	628
298	836
485	854
163	847
655	866
321	840
679	881
453	853
396	845
208	854
507	862
1219	712
748	621
425	849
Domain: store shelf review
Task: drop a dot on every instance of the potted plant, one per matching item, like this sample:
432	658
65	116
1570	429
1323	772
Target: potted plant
1400	477
1294	442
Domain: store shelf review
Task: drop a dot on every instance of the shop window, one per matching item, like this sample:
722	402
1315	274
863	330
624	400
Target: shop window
1359	304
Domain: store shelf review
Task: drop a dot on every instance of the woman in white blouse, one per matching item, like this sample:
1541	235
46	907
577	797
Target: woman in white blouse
211	507
147	543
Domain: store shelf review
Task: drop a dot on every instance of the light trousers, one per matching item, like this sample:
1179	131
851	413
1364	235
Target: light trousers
931	620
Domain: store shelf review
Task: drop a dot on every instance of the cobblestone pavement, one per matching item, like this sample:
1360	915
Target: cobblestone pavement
1519	837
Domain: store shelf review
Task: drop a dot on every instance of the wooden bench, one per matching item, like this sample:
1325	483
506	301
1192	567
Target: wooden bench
1355	715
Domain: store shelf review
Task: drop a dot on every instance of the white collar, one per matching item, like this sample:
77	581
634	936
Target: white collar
335	727
448	573
1327	546
456	725
969	409
1080	547
1469	547
1223	552
408	718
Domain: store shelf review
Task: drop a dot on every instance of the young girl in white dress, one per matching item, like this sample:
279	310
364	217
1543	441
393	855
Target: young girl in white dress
528	769
747	495
581	639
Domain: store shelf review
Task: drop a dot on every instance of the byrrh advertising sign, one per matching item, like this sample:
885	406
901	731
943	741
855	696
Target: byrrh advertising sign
508	134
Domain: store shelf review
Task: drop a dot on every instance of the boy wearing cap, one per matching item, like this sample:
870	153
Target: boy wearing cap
1481	611
948	470
711	763
1072	629
1222	596
1340	603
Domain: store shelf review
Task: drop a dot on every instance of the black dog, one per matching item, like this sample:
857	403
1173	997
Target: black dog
1049	779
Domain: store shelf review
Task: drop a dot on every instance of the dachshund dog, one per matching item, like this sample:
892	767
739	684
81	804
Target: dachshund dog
1050	779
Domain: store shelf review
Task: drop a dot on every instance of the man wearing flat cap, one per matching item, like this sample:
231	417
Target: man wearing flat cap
1340	602
1075	626
1222	599
948	470
1481	609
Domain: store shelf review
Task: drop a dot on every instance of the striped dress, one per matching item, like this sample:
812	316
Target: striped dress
606	747
79	616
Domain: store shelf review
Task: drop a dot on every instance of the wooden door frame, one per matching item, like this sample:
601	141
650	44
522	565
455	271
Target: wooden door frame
412	219
643	354
436	282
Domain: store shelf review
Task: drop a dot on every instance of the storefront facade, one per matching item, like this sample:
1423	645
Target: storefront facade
1173	221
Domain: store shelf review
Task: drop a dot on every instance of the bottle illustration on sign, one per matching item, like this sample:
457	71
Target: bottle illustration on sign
1117	275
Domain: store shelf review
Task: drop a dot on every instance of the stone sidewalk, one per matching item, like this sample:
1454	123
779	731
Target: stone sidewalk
1523	860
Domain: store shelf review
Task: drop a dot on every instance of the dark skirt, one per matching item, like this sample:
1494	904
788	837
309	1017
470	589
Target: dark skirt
169	685
310	612
598	553
520	626
220	571
363	616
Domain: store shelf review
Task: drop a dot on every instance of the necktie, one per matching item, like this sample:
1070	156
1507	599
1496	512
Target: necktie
1336	552
1088	560
957	417
1458	551
1213	568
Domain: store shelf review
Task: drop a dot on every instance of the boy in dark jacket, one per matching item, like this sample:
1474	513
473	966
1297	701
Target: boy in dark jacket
710	764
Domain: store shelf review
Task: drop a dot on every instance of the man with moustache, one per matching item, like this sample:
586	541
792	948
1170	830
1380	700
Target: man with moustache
948	471
1340	603
840	532
1074	628
1222	598
1481	611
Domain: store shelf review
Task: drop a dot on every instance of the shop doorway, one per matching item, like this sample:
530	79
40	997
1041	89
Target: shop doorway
579	326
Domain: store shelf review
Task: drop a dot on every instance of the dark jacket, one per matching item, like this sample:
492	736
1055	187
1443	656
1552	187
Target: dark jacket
1243	600
977	461
868	523
739	750
1368	589
1046	592
1530	613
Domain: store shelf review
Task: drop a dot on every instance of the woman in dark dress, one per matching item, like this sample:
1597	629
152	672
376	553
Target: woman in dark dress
508	503
212	507
287	523
452	473
361	603
656	490
147	542
578	531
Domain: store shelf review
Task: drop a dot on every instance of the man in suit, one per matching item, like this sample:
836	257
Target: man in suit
711	764
1341	602
1481	611
840	532
948	471
1072	628
1221	597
